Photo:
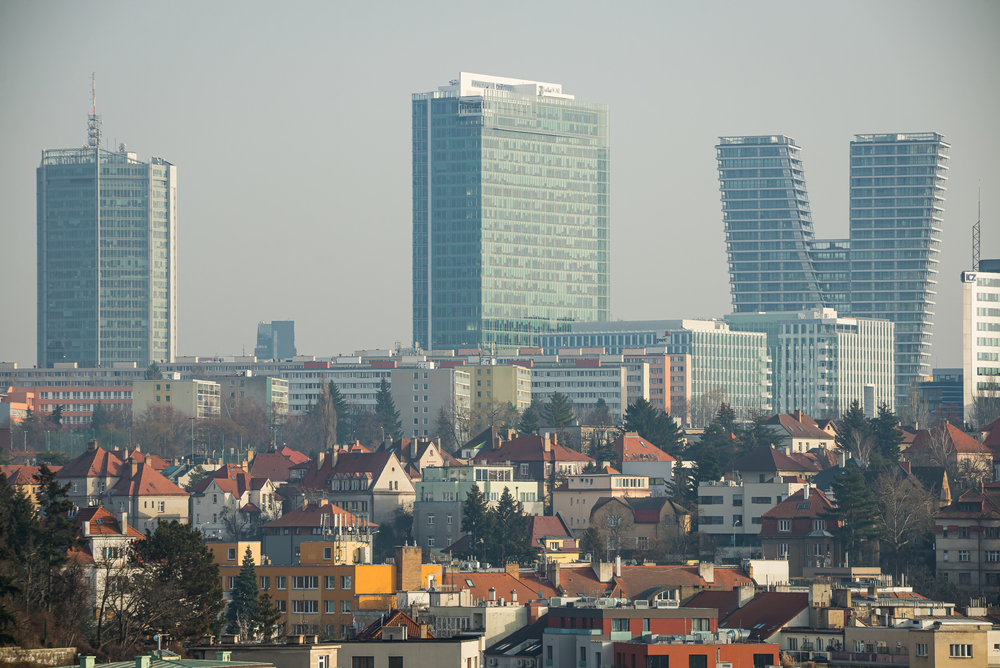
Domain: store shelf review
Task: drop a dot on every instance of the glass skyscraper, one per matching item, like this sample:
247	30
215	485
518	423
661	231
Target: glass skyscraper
510	212
887	267
107	257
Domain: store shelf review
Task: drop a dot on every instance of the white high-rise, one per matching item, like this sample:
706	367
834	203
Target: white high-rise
981	342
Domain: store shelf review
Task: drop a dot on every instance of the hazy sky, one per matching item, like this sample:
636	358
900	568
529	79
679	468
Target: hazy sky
289	124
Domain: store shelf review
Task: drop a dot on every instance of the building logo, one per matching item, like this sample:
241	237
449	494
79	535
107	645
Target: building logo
663	339
968	277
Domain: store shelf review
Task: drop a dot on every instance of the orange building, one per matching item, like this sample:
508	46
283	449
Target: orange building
661	655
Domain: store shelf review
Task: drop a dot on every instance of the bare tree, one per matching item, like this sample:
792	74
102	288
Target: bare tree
906	509
940	449
235	523
614	525
985	403
860	444
705	407
916	413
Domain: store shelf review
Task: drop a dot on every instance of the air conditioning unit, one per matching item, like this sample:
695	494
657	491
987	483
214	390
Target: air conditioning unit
640	604
723	664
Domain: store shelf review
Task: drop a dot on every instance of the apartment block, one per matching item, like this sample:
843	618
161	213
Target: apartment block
195	398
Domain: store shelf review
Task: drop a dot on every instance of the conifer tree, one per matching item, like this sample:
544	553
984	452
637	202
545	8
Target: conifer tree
653	425
343	411
512	541
707	457
558	412
153	372
478	521
856	510
592	543
885	430
242	609
726	417
853	426
528	424
387	414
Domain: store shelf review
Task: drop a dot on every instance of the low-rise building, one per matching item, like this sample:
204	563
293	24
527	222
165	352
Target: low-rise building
147	497
420	394
647	525
555	540
637	456
283	538
918	642
798	432
575	499
374	484
797	530
195	398
967	541
231	502
499	384
732	511
951	447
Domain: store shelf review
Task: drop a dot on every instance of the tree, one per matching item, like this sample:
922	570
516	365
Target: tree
726	417
600	415
185	576
905	512
592	543
528	424
558	412
321	421
402	526
478	521
385	542
856	513
707	456
153	372
499	414
56	415
853	427
58	536
756	433
653	425
513	540
705	407
916	413
886	434
242	609
614	525
54	458
197	475
388	416
985	402
342	409
266	618
445	430
234	523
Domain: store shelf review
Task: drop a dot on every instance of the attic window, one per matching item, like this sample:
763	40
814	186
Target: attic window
802	505
99	521
469	582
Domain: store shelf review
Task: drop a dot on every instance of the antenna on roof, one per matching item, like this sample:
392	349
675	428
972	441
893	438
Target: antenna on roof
93	120
975	232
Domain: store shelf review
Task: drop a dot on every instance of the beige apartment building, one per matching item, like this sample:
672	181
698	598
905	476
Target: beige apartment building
195	398
575	499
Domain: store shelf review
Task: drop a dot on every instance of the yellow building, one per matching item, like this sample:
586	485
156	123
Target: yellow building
926	641
194	398
325	597
506	383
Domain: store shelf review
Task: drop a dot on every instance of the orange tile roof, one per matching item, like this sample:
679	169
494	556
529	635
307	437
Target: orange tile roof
231	479
102	523
146	481
314	515
962	442
789	508
634	448
504	584
531	448
767	613
96	463
18	474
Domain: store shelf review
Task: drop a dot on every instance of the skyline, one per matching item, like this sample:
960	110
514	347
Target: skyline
260	111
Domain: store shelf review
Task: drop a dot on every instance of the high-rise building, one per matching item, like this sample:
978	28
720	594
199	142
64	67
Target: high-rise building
107	256
275	340
981	343
886	269
510	212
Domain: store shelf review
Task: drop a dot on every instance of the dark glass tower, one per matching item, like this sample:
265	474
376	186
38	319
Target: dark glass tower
510	212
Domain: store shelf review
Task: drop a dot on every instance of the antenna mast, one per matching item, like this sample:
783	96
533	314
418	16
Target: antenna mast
975	232
93	120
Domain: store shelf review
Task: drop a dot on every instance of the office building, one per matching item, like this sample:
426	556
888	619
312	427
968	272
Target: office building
275	340
821	363
886	269
711	358
510	212
107	256
981	343
944	394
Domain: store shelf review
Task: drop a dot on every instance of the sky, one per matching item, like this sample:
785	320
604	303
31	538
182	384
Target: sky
289	124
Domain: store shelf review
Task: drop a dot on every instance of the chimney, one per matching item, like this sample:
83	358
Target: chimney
334	458
805	492
602	570
91	446
546	443
408	568
424	631
511	434
413	449
320	457
86	528
87	661
797	415
305	503
123	522
142	661
512	568
493	594
618	566
497	443
706	571
134	466
746	594
513	596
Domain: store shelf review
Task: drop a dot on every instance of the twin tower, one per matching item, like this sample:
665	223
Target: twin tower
886	268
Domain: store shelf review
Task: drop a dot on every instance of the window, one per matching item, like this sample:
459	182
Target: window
282	605
784	525
960	651
430	541
362	662
232	554
395	662
645	625
992	555
700	624
327	553
583	656
449	519
921	649
345	581
345	606
737	499
232	582
331	582
597	659
964	555
430	519
265	582
323	661
819	525
737	520
161	506
280	581
305	582
793	644
963	532
761	499
619	624
783	550
305	607
548	655
944	555
965	578
330	607
859	646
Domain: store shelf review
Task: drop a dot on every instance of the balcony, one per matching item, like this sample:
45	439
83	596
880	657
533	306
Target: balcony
870	658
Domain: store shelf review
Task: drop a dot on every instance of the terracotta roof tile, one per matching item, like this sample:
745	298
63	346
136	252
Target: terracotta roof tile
769	459
962	442
723	601
272	465
634	448
504	584
93	464
315	515
804	428
146	481
530	448
815	506
102	523
767	613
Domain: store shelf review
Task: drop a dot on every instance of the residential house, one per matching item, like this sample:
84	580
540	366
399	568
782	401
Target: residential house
106	539
637	456
920	642
765	463
952	448
539	458
553	538
418	454
230	502
275	465
520	649
797	530
967	541
374	484
310	522
653	524
800	433
91	475
575	498
24	479
147	497
731	511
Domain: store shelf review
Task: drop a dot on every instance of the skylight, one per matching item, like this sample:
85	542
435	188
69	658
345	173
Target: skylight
469	582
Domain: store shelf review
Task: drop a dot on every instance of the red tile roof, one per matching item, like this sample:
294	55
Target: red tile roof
394	618
990	504
231	479
723	601
992	439
634	448
549	526
804	428
272	466
768	459
102	523
504	584
146	481
636	579
18	474
157	462
962	442
531	448
815	506
365	465
767	613
294	456
96	463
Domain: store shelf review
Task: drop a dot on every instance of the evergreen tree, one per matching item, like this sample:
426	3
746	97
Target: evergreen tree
343	410
707	456
197	475
683	488
58	535
592	544
185	568
602	416
757	434
384	545
242	609
528	424
478	520
653	425
512	542
856	511
153	372
726	417
558	412
56	415
885	430
266	618
853	426
98	417
387	414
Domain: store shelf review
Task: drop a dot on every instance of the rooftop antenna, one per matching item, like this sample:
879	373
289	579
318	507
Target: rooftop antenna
975	232
93	120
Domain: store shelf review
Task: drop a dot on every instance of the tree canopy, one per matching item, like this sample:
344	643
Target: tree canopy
857	512
528	424
558	412
386	411
653	425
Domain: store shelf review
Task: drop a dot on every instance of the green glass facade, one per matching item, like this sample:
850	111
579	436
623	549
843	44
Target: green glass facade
106	258
510	213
